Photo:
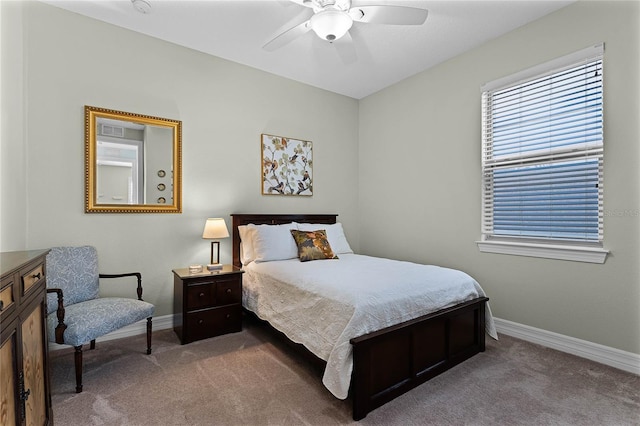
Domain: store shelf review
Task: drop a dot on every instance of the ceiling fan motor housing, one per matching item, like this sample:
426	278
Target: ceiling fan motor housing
330	24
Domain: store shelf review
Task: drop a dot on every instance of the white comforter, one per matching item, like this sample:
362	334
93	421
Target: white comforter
323	304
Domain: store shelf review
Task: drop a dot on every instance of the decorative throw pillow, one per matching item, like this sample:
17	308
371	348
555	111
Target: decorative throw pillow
312	245
335	235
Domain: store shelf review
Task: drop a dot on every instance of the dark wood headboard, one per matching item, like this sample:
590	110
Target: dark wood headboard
271	219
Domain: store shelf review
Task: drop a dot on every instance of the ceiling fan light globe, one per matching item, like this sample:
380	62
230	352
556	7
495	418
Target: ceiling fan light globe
331	24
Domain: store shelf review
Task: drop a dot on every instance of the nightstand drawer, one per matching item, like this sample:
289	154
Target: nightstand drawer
229	291
201	296
213	322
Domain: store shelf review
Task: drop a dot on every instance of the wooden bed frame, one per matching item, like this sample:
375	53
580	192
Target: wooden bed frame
394	360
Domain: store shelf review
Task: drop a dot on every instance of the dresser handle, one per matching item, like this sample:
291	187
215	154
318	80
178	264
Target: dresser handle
228	290
23	395
36	276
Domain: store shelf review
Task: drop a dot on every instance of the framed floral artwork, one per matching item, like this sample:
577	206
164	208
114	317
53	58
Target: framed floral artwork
287	166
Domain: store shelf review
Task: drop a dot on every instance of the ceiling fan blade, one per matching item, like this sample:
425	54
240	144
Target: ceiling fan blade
346	49
391	15
305	3
287	37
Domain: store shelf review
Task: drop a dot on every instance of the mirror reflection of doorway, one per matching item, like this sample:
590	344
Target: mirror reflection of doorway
115	185
120	172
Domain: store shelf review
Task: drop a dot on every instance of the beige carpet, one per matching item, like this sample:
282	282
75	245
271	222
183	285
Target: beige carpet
251	378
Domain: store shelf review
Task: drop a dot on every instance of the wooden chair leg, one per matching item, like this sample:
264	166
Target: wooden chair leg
148	335
92	345
78	359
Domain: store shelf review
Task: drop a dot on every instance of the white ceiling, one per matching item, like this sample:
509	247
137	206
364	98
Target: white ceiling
385	54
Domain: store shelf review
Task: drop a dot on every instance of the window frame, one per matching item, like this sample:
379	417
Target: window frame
574	250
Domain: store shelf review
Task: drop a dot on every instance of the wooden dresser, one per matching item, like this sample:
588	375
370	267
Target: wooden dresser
207	303
25	392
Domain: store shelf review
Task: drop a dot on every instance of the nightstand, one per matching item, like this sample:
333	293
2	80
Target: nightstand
208	303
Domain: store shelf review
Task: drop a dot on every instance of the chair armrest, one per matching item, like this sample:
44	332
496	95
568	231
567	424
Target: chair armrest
61	327
138	275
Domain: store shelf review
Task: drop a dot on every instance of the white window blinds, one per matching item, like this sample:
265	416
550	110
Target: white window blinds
542	153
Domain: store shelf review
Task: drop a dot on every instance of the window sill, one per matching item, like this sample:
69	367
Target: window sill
548	251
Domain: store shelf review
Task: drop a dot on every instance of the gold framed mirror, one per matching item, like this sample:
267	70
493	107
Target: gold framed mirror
133	162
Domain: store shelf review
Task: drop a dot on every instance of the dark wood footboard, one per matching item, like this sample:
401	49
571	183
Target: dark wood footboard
394	360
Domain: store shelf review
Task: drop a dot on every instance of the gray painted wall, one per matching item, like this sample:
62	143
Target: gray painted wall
420	155
13	164
412	149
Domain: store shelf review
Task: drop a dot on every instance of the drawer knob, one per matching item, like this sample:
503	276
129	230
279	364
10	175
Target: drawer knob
228	290
200	321
201	294
228	316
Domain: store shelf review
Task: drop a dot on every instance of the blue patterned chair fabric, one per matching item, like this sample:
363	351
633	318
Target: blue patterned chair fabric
76	315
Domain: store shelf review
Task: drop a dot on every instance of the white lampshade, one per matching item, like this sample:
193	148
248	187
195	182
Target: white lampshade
331	24
215	228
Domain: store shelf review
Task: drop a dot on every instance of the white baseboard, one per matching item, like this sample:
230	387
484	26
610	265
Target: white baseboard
159	323
622	360
617	358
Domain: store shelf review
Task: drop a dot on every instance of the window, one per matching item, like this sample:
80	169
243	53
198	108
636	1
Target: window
542	160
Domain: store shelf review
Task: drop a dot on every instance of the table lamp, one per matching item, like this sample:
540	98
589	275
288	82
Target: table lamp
215	229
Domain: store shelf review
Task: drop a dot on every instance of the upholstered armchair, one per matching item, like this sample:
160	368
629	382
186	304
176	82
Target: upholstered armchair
76	314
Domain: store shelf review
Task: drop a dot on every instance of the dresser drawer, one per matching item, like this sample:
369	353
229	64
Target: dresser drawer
7	299
31	277
213	322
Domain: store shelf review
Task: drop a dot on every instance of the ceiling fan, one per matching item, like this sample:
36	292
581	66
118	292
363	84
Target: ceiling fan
332	19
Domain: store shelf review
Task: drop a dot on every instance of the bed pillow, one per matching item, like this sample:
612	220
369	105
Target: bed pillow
246	245
335	235
272	242
313	245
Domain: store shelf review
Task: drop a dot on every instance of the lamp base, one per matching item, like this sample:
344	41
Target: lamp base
214	266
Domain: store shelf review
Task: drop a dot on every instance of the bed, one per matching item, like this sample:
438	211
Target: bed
375	357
